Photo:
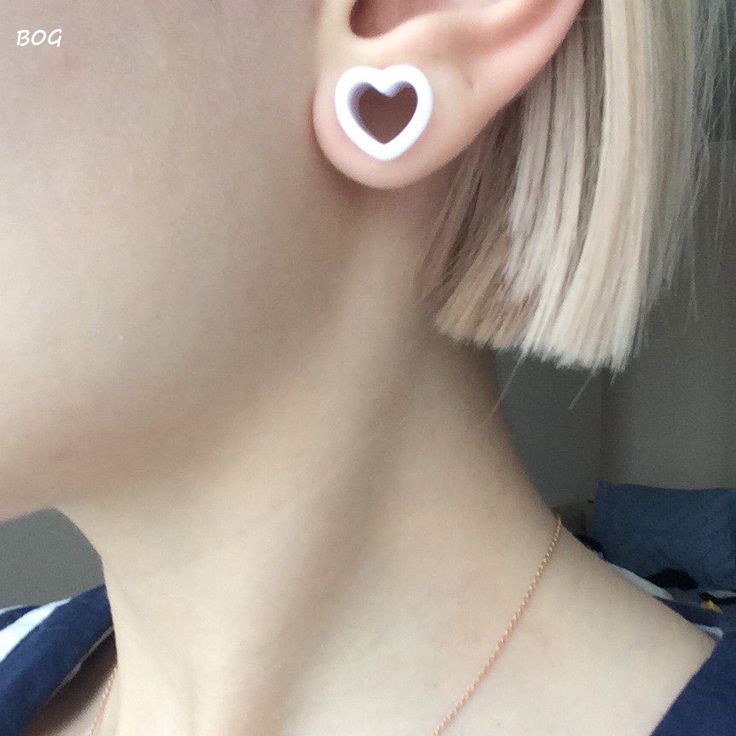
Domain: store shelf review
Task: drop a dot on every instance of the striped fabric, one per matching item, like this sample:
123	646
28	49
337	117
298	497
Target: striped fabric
42	647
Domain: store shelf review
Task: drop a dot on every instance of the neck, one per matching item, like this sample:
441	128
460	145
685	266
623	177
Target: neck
264	594
324	539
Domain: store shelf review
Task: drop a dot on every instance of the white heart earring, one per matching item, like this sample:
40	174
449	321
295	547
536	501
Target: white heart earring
388	81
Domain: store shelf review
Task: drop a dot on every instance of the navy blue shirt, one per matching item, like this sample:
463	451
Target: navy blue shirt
42	648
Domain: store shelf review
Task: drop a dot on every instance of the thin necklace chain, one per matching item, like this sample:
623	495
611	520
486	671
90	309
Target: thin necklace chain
478	678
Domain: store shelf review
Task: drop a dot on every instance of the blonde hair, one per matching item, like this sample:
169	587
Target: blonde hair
566	216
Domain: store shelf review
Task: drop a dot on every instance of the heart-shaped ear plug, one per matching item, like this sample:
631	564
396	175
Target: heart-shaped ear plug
388	81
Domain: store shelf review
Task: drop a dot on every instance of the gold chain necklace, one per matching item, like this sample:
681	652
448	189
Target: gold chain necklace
478	678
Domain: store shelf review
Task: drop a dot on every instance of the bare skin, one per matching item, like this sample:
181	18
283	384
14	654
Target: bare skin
387	609
605	692
311	519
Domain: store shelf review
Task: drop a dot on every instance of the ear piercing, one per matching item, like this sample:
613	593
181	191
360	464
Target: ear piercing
354	81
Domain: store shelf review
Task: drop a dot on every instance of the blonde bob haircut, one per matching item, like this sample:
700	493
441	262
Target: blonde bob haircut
566	216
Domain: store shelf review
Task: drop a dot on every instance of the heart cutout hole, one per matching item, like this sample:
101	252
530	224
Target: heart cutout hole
384	117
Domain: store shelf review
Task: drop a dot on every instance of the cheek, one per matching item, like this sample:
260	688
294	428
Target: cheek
151	214
138	291
116	266
109	338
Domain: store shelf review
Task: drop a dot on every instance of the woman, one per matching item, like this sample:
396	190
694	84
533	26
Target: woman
237	350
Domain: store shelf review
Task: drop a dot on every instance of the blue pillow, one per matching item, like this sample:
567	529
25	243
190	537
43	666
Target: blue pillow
649	529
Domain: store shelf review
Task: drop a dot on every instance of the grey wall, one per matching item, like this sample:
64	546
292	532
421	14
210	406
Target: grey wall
555	418
44	557
669	420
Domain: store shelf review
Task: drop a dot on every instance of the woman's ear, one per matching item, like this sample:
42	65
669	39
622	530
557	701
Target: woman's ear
443	73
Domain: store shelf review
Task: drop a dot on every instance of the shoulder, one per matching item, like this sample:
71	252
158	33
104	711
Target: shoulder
707	703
